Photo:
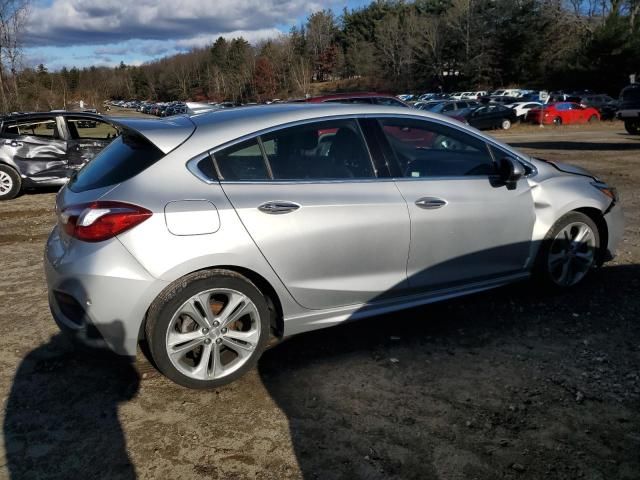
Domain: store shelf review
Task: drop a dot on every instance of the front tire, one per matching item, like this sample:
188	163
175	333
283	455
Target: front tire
10	183
568	252
208	328
593	119
557	121
506	124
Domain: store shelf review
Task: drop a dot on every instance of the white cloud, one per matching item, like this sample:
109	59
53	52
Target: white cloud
73	22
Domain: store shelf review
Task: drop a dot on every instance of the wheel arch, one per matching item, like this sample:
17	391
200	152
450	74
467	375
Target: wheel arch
273	301
603	231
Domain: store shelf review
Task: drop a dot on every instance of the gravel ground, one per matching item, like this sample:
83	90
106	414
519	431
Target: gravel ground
512	383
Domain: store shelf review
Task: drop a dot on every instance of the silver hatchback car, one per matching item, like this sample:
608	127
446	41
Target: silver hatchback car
213	236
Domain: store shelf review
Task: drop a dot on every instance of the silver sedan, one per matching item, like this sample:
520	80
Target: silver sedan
213	236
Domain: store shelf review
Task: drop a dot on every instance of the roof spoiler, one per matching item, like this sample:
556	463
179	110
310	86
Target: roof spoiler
194	108
166	134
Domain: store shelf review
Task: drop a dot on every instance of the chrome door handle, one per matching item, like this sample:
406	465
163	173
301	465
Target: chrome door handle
13	143
430	203
276	208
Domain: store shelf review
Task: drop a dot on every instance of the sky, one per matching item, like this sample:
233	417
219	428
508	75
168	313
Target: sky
86	32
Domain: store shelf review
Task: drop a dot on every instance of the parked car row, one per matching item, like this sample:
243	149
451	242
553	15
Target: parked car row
524	100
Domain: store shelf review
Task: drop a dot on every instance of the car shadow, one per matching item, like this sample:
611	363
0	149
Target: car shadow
578	146
380	399
49	429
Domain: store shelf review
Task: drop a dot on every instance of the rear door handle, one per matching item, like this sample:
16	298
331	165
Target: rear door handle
13	143
430	203
278	207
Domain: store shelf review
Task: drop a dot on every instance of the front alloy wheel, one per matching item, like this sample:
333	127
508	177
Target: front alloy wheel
569	251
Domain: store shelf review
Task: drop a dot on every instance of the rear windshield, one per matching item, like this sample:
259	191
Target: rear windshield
631	93
122	159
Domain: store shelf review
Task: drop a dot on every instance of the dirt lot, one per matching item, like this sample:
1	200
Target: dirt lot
512	383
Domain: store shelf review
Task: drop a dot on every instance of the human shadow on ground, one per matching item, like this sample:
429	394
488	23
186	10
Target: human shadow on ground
51	422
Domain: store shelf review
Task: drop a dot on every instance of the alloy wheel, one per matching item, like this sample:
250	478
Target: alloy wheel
6	183
213	334
571	254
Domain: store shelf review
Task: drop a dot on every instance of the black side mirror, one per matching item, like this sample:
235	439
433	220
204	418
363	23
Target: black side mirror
510	171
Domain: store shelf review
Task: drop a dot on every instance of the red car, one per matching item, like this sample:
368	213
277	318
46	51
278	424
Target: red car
563	113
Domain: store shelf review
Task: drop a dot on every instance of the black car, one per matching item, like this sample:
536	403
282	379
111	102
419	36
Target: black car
629	111
489	117
45	149
606	105
447	106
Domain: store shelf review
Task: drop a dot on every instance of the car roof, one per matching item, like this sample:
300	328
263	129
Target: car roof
221	126
340	96
65	113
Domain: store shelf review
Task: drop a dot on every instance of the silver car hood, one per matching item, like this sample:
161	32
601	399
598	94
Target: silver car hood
166	134
568	168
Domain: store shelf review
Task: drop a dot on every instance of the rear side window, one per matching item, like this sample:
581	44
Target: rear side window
122	159
425	149
243	161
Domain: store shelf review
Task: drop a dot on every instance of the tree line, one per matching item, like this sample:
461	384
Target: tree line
391	45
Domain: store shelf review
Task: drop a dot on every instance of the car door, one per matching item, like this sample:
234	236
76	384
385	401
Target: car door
466	225
334	232
87	137
480	118
35	145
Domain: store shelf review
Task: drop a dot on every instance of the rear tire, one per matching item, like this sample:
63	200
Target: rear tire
208	328
10	183
568	252
557	121
593	119
632	127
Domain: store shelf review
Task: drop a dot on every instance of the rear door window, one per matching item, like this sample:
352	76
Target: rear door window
90	128
327	150
35	127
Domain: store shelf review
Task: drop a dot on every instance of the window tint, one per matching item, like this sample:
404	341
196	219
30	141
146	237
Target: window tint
391	102
243	161
122	159
425	149
43	127
350	100
90	128
322	150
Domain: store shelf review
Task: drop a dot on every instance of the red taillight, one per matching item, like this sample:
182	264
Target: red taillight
99	221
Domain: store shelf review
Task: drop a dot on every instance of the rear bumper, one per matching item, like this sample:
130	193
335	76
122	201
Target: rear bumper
615	227
98	293
629	114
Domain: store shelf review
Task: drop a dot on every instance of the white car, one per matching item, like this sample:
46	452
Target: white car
473	95
522	108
